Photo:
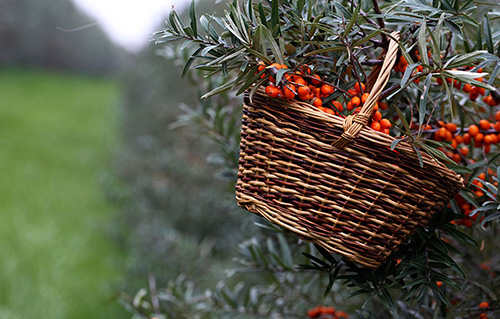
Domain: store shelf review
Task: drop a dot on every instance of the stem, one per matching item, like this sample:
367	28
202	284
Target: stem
380	21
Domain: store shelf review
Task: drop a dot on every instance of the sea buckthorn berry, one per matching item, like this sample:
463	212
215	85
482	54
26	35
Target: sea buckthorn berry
439	81
496	126
479	137
365	97
454	143
402	60
497	116
459	139
494	138
486	139
385	131
356	101
473	130
277	66
317	102
352	92
442	132
359	87
484	124
474	93
464	151
385	123
484	304
304	90
300	81
384	106
467	139
377	116
326	89
420	68
272	91
467	87
338	106
350	106
481	90
290	91
314	81
452	127
483	316
375	125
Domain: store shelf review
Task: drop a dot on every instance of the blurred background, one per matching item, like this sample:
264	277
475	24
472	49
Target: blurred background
99	195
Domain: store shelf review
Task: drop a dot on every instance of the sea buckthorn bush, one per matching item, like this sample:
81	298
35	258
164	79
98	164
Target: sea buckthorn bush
442	97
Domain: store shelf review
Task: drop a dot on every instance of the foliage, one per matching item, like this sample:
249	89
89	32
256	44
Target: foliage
446	44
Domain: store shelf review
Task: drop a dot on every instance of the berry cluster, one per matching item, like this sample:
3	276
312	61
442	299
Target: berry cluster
483	305
358	98
473	91
465	207
321	312
304	86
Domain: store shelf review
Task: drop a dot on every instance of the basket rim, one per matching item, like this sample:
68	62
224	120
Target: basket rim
367	133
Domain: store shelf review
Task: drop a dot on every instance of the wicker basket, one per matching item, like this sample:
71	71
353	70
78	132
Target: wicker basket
358	198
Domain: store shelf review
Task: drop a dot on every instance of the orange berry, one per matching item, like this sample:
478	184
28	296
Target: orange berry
377	116
272	91
497	116
313	313
304	90
314	81
317	102
442	132
484	124
350	106
300	81
467	87
384	106
402	60
474	93
467	139
481	90
326	89
494	139
375	125
454	143
497	126
338	106
484	304
439	81
385	131
420	68
359	87
356	101
364	97
385	123
452	127
276	65
479	137
459	139
289	91
464	151
483	315
473	130
486	139
352	92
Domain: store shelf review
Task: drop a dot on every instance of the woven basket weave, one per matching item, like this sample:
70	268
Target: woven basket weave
358	198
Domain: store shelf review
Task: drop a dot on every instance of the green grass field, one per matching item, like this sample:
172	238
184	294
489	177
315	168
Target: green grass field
57	133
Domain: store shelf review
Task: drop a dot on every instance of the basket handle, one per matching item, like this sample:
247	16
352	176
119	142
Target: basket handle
355	122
